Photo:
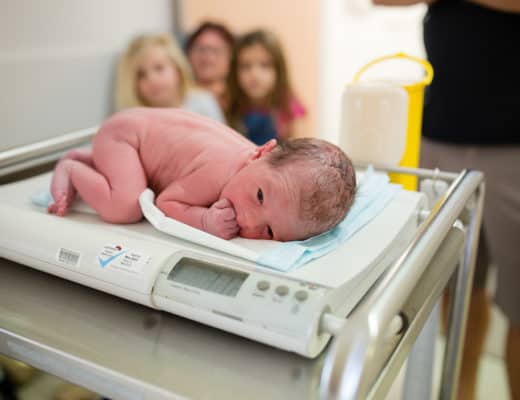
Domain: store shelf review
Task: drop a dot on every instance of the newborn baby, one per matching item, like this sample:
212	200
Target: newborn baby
208	176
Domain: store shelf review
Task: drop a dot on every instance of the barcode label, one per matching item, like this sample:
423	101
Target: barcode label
68	257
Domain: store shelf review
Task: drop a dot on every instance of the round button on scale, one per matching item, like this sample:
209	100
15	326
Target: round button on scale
282	290
263	285
301	295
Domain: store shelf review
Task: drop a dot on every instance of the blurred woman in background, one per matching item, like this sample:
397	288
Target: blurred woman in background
209	52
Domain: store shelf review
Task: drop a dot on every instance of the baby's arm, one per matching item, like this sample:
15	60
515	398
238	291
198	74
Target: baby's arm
186	201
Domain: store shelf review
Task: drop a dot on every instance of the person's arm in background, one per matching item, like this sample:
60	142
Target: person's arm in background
401	2
501	5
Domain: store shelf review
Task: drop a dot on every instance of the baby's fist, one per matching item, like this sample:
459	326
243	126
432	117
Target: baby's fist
220	220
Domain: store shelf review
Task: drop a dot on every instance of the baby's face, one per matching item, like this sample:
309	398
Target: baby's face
266	203
157	78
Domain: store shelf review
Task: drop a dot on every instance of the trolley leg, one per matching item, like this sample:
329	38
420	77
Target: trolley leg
459	302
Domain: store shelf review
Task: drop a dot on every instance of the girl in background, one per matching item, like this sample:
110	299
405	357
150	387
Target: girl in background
262	103
153	72
209	50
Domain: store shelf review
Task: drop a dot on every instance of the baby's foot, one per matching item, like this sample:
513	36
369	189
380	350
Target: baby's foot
60	206
62	190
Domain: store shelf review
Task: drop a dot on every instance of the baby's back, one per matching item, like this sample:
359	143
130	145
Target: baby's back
172	142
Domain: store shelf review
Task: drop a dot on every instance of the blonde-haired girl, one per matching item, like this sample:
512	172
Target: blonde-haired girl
153	72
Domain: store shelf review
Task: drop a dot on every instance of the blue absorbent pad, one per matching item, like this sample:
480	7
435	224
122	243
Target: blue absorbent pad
43	199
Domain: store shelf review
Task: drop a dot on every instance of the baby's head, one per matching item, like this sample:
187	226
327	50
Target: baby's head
152	72
326	177
292	191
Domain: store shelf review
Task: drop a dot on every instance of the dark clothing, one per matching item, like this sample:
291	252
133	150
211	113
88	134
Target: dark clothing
472	120
501	218
259	127
475	94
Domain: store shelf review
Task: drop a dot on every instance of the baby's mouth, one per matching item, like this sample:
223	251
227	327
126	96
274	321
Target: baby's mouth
240	226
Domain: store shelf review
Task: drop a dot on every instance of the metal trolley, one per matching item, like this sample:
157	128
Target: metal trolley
126	351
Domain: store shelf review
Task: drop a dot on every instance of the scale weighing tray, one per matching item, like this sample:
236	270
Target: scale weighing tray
141	264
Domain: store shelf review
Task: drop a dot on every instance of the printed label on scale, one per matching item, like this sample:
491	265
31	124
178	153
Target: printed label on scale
68	257
119	257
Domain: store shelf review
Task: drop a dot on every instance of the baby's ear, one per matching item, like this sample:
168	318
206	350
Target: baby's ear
264	149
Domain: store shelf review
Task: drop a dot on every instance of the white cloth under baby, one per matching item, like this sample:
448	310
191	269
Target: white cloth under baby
373	194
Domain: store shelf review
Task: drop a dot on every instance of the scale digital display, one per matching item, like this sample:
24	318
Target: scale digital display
212	278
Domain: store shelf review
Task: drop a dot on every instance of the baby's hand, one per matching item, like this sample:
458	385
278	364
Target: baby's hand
220	220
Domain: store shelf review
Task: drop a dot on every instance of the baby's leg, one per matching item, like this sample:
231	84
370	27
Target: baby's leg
61	188
113	187
83	155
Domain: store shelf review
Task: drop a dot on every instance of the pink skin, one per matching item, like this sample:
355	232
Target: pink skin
60	182
157	78
256	73
204	174
266	201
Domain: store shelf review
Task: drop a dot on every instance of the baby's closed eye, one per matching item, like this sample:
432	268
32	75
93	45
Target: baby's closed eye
260	196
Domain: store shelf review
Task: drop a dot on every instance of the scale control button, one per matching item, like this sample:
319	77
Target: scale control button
282	290
301	295
263	285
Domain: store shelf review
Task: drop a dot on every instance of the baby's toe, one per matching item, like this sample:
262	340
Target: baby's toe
52	208
62	211
61	206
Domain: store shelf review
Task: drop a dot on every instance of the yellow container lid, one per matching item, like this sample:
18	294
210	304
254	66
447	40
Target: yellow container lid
410	86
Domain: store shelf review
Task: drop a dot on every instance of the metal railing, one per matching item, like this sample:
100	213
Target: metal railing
347	373
38	153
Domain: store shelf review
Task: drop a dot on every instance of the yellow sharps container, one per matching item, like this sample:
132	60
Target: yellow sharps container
415	91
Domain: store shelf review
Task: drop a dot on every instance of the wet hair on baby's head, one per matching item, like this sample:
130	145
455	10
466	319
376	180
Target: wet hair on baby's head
330	180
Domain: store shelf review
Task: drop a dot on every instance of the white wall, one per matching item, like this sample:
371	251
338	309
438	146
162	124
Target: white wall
57	61
354	32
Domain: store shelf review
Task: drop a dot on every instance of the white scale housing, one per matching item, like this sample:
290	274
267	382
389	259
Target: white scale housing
141	264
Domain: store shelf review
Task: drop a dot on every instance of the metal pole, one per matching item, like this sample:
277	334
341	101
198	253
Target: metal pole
44	147
459	303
